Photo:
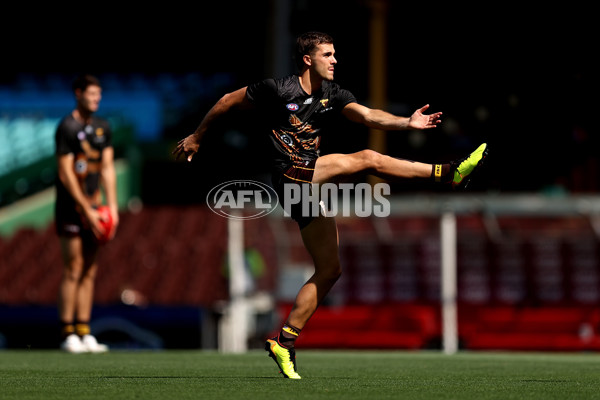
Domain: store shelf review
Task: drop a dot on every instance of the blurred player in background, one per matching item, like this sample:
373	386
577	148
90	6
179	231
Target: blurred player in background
297	109
85	164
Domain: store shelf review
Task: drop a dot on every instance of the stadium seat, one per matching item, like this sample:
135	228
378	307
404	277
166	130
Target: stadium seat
382	326
388	296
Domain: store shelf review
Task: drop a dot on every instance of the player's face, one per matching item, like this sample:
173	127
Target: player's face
90	98
323	61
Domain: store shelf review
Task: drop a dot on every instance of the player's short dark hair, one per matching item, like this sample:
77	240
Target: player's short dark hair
83	81
307	43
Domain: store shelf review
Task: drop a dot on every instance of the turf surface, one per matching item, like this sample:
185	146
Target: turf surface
326	375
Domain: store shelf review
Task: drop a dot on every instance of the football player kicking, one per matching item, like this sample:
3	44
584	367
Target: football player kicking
297	109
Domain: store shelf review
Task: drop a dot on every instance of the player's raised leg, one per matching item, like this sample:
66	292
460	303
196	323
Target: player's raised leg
339	167
464	167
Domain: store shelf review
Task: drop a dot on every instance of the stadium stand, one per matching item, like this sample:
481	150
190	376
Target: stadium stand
532	286
535	286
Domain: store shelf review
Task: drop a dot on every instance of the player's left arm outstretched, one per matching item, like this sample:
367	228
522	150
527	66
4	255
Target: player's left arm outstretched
379	119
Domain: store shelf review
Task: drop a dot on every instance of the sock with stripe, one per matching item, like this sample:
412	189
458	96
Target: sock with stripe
67	328
441	173
82	328
288	335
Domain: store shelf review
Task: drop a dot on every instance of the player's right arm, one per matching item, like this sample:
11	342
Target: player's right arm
69	180
190	145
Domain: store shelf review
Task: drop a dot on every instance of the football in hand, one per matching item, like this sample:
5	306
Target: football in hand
106	222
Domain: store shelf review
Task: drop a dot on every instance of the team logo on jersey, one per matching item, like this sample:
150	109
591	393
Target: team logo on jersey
325	104
292	106
81	135
99	138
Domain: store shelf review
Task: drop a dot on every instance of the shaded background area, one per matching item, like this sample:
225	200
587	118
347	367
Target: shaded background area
522	80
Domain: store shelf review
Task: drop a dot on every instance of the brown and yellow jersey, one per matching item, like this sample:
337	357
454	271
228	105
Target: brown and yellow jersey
295	119
86	143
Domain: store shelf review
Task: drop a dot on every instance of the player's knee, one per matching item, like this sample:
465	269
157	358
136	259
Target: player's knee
330	271
371	159
89	275
72	273
334	272
73	268
337	274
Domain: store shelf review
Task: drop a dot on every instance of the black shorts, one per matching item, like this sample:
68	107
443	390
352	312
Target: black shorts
69	223
297	173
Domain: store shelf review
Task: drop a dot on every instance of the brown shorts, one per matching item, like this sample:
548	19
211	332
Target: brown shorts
298	173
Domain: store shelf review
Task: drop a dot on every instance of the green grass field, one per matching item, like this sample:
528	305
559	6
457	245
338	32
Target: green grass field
344	375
